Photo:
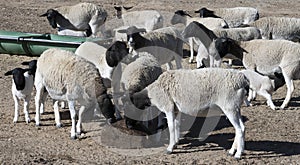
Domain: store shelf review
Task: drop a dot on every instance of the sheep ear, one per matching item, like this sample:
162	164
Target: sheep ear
44	15
8	73
122	31
198	11
118	8
127	8
141	30
25	63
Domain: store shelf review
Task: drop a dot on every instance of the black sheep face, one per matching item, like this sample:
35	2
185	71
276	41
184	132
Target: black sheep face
18	77
115	53
178	17
51	17
204	12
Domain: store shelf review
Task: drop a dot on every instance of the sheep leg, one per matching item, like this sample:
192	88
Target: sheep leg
235	119
56	114
26	108
16	100
290	89
269	99
38	101
171	125
191	50
42	105
73	115
177	127
169	66
79	125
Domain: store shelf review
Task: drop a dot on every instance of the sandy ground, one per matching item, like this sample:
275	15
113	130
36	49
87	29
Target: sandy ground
272	137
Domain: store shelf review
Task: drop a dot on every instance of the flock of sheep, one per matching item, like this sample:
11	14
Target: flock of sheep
89	77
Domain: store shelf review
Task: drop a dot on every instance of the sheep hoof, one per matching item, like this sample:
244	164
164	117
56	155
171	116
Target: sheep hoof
168	152
59	125
237	158
73	137
111	120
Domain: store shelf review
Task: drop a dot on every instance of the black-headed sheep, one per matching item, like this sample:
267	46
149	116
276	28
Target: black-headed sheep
71	78
86	17
191	91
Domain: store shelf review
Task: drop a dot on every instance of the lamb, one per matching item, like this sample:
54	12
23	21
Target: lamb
22	86
71	78
263	56
239	34
278	28
136	76
165	44
80	17
181	16
206	88
263	85
147	19
233	16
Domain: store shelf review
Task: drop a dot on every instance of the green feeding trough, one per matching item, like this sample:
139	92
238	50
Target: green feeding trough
35	44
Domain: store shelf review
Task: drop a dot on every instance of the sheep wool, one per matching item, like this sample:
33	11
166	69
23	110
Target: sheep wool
71	78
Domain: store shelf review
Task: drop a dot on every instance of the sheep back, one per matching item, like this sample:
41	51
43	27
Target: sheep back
83	12
275	53
278	27
194	90
65	74
140	73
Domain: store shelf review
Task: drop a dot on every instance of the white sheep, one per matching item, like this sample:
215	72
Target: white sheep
80	17
22	86
233	16
136	76
263	85
263	56
192	91
165	44
71	78
147	19
278	28
183	17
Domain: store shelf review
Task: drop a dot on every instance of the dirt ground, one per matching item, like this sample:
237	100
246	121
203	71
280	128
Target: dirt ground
272	137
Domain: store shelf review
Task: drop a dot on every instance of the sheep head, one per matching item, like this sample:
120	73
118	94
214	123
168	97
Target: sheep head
51	15
204	12
132	32
115	53
179	17
18	77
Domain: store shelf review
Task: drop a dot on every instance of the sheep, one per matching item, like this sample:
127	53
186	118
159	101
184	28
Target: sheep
278	28
106	60
22	86
263	85
71	78
80	17
147	19
207	88
181	16
233	16
239	34
165	44
136	76
263	56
